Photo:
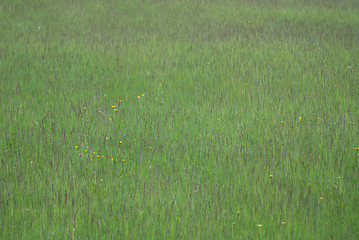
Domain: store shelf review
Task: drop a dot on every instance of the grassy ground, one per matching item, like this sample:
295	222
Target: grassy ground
179	119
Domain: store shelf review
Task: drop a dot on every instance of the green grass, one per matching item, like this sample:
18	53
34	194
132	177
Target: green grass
249	117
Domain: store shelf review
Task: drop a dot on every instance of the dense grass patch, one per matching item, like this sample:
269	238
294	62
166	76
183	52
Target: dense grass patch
179	119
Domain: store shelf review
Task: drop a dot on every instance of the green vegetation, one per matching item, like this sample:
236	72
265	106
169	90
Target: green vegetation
238	119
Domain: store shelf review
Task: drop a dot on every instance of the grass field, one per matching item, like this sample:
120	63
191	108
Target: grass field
191	119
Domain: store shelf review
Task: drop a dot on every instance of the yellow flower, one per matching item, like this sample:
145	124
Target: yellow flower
238	212
99	111
138	97
259	225
116	110
283	223
134	140
94	153
114	106
85	150
76	146
85	108
271	176
98	155
120	142
123	160
249	21
143	94
110	119
282	121
246	84
300	118
321	198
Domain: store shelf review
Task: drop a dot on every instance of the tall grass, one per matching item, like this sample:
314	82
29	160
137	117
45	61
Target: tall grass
179	119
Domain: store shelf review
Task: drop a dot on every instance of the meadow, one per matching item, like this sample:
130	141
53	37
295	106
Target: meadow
189	119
